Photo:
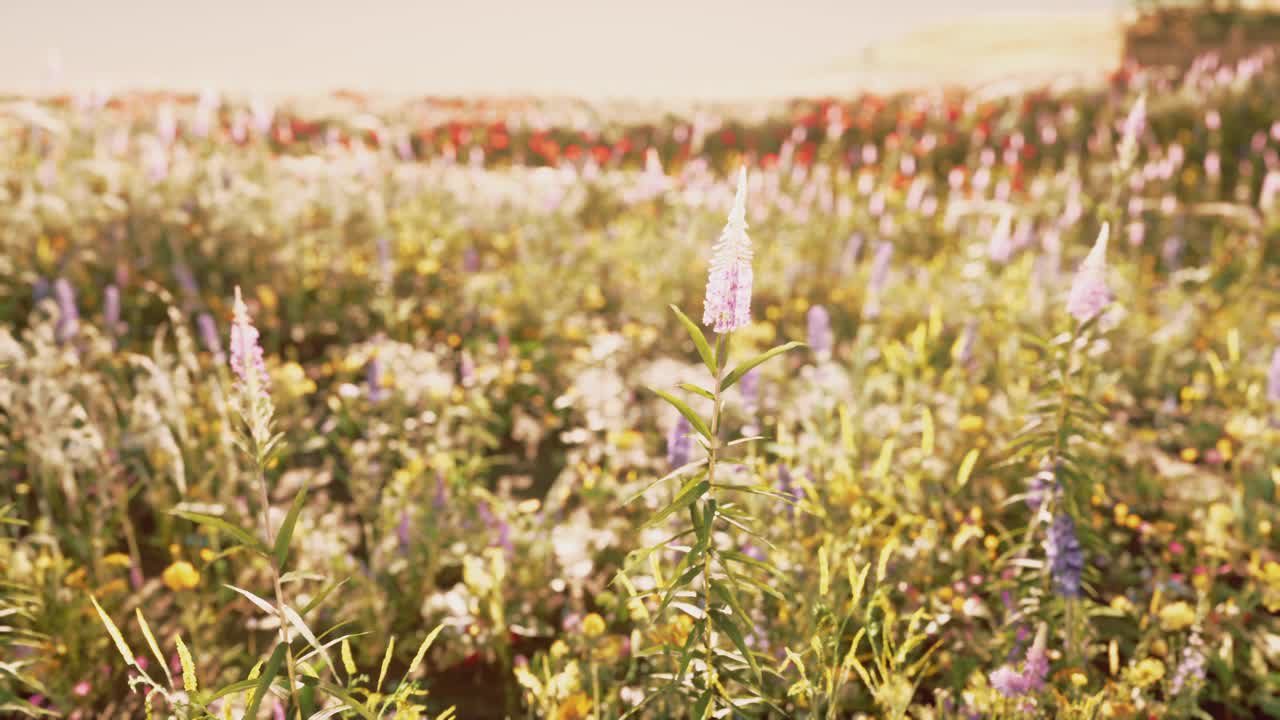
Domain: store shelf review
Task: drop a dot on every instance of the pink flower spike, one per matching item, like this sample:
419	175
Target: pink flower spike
1089	291
246	353
727	306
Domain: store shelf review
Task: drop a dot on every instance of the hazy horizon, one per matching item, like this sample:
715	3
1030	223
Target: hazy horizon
712	49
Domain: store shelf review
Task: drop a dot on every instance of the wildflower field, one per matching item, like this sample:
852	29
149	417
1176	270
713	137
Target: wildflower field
932	405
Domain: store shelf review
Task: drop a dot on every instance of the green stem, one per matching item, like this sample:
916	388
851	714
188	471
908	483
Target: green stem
275	577
722	353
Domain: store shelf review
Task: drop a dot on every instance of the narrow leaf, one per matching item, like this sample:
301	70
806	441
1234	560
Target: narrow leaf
422	650
688	413
699	340
242	536
285	534
155	646
188	666
269	672
966	467
747	366
689	494
114	632
386	660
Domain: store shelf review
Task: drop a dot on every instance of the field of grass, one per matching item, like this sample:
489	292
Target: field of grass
910	405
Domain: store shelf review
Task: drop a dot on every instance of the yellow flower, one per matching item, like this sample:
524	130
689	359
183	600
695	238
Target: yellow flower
1270	577
1225	449
575	707
181	576
593	625
971	424
1148	672
118	559
1190	454
558	649
1079	679
1176	616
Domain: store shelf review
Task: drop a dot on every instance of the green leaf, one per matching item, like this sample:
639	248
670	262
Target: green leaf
688	495
114	632
346	697
242	536
155	646
688	413
696	390
281	550
747	366
699	341
23	707
231	689
422	650
293	618
269	673
188	666
682	470
322	595
686	653
386	661
728	627
702	707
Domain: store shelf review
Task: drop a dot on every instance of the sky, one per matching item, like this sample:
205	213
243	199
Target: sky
645	48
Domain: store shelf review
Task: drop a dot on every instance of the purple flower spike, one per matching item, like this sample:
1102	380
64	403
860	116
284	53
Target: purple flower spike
1089	292
208	330
727	306
819	331
679	444
111	308
1066	557
68	314
246	353
1012	683
1273	377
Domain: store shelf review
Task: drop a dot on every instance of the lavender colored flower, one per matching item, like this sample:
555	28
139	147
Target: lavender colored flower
470	260
374	378
441	497
1134	125
727	306
1171	251
679	444
1066	557
880	267
819	331
852	250
68	314
1000	247
40	290
1273	377
246	353
1011	683
186	280
386	266
466	370
111	308
205	111
264	115
1089	291
1190	672
208	330
403	530
1041	485
749	386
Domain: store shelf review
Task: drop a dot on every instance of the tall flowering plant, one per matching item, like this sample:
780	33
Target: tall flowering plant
309	672
713	573
1065	423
